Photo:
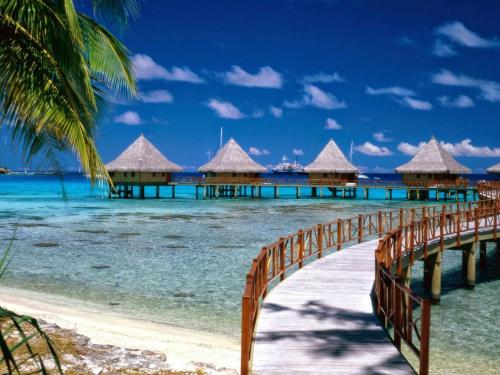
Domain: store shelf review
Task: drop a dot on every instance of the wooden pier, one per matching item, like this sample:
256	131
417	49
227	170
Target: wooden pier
321	319
215	188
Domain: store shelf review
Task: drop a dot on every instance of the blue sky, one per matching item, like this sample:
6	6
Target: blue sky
284	76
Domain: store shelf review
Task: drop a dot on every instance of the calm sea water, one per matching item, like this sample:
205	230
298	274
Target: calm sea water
183	262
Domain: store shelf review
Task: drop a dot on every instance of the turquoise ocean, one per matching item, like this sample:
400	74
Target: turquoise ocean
183	262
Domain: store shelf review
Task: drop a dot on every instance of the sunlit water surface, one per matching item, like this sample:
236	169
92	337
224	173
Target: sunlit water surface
182	262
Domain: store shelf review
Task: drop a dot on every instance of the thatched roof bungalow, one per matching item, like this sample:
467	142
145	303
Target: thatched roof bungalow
231	162
142	164
332	166
432	165
494	169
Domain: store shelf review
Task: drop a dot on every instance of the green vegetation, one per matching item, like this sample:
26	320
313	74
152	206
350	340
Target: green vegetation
58	67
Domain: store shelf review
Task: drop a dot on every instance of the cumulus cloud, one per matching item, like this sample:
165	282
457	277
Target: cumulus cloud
276	111
266	77
224	109
489	90
458	33
442	49
462	148
368	148
461	101
156	96
332	124
322	78
258	152
128	118
416	104
393	90
381	137
297	152
409	149
316	97
145	68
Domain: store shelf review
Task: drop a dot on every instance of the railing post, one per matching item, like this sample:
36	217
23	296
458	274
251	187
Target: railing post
360	228
380	224
320	240
401	217
301	248
265	271
425	326
441	229
476	224
245	334
339	234
282	250
397	315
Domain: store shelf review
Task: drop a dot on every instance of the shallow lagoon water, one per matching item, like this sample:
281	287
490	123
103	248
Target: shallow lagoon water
183	262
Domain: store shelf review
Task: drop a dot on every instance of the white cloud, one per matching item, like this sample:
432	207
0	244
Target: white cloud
156	96
297	152
458	33
409	149
368	148
381	137
461	101
276	111
258	152
442	49
225	109
332	124
266	77
322	78
393	90
466	148
462	148
128	118
419	105
145	68
316	97
490	90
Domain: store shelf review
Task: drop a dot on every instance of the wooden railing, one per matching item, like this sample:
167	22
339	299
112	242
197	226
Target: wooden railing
290	253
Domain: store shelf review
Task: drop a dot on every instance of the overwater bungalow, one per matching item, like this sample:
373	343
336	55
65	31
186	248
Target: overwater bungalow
331	167
494	169
232	165
141	164
433	166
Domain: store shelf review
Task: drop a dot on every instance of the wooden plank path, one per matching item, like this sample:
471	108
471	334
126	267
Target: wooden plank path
320	320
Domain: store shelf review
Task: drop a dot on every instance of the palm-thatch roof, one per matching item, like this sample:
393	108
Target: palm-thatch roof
142	156
495	169
232	159
433	158
331	160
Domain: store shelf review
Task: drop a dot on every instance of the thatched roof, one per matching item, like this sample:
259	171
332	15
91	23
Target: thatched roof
232	159
495	169
331	160
142	156
433	158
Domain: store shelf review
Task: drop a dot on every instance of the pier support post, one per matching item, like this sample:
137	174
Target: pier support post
204	191
343	193
482	254
141	192
157	191
470	266
366	192
321	192
314	192
298	192
173	191
276	192
252	191
390	194
217	191
436	277
260	191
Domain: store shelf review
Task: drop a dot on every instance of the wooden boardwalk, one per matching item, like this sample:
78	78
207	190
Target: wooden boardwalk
320	321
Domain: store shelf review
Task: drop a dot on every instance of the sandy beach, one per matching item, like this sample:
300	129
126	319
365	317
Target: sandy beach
185	349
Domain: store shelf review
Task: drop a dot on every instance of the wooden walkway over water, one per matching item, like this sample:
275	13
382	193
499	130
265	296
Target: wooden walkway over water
320	321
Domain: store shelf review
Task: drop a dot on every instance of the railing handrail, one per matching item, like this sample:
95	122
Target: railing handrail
275	259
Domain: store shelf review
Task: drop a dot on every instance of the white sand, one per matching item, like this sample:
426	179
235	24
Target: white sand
184	348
